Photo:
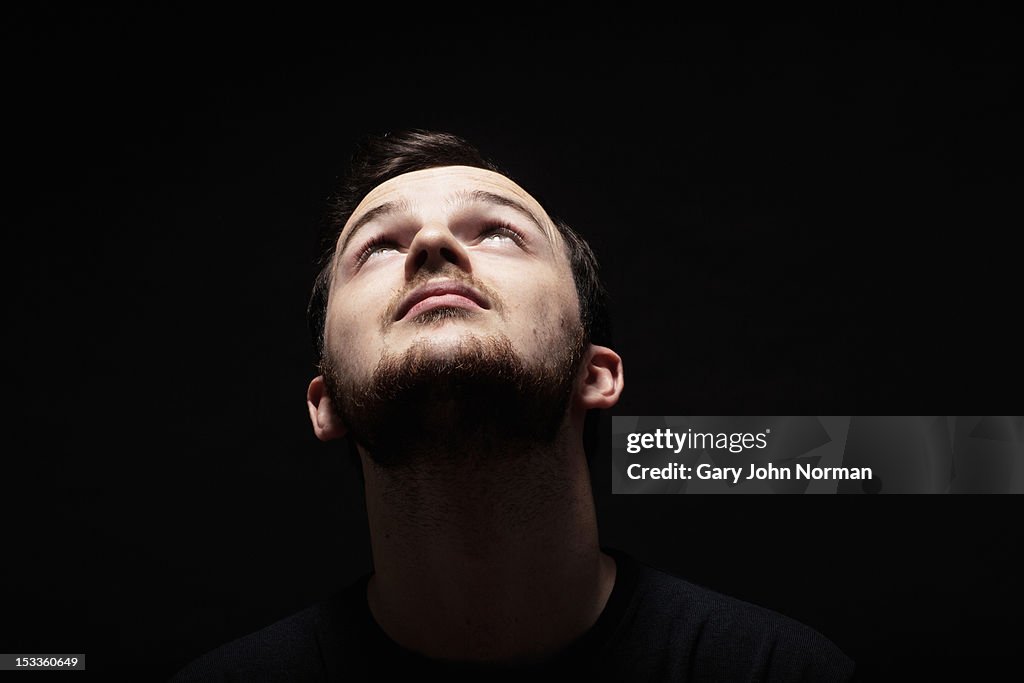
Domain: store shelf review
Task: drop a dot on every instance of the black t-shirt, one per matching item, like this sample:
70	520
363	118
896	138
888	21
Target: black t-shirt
655	627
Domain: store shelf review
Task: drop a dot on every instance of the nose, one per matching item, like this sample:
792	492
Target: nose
434	248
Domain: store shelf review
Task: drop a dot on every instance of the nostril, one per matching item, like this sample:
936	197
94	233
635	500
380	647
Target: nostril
449	255
421	258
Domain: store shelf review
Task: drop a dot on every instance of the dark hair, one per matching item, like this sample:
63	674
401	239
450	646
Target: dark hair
380	158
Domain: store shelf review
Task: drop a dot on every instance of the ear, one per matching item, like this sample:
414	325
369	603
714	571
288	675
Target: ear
326	423
601	380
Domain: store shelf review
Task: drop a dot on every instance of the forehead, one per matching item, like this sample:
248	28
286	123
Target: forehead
432	184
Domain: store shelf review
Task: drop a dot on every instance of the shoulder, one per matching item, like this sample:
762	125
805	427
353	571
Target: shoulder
284	650
710	635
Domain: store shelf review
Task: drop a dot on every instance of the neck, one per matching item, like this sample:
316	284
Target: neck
487	557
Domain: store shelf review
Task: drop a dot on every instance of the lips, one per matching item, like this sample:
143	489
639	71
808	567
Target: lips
435	294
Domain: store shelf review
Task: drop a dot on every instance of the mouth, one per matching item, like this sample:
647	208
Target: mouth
448	294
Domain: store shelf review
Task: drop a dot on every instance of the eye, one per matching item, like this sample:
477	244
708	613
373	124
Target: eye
377	245
499	232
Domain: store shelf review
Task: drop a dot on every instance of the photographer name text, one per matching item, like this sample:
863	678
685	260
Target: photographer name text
737	474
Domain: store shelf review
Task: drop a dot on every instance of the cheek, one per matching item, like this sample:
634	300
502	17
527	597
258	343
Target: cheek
349	338
545	302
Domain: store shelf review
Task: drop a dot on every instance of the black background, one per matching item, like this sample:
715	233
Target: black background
792	219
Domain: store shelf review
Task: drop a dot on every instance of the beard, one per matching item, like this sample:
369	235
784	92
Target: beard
457	403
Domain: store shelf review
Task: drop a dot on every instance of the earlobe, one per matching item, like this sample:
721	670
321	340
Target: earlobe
326	423
602	381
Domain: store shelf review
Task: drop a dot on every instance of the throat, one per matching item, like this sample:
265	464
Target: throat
473	570
494	559
476	495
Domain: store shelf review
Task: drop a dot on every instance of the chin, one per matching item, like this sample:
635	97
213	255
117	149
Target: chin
443	326
445	342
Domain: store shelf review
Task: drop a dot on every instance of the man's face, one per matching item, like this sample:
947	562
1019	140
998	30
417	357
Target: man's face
434	258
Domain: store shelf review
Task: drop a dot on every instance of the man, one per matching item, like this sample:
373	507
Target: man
461	331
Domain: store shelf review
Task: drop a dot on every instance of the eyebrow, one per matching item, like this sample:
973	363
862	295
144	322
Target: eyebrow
464	197
379	211
458	199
